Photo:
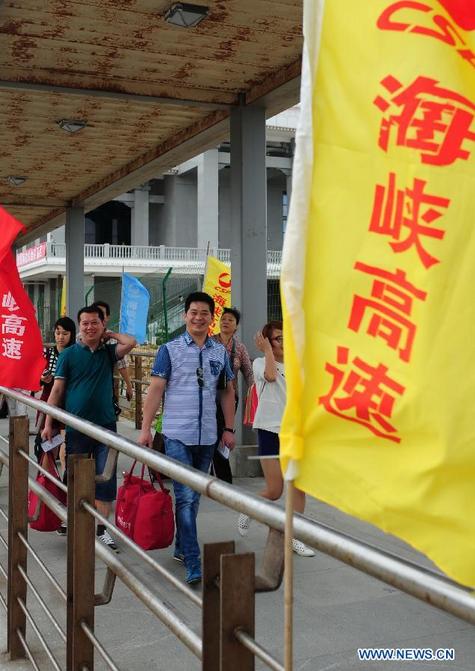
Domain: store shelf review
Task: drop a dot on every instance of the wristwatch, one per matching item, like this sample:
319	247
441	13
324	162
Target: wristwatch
229	430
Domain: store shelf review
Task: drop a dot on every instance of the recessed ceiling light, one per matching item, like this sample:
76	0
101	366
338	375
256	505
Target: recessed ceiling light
184	15
15	180
72	125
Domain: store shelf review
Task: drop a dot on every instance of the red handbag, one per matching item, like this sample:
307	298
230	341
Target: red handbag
40	516
143	513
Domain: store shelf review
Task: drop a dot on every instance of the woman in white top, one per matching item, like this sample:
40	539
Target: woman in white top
269	375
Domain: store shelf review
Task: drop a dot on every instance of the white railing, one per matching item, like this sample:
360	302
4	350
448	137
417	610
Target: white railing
110	254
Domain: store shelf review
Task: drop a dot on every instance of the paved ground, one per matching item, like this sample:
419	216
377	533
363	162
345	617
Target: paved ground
337	611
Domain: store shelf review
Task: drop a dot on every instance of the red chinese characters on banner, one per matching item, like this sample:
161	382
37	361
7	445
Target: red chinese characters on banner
389	307
221	291
363	394
21	347
406	216
436	121
420	18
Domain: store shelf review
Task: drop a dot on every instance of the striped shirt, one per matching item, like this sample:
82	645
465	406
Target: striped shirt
189	413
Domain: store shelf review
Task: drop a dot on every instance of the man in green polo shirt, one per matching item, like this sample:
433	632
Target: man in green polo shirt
83	386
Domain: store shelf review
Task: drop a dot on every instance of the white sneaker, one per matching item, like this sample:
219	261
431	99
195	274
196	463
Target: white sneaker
243	524
107	539
301	550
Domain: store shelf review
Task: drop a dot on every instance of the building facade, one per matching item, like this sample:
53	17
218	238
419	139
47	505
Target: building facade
169	222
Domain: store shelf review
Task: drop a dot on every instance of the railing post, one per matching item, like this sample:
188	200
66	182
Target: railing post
80	563
211	630
237	611
138	391
17	523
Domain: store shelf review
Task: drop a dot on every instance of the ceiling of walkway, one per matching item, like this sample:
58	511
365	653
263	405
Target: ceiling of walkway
153	94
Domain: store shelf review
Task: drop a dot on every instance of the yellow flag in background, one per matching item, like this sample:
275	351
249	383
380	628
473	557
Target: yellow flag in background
63	309
379	269
217	283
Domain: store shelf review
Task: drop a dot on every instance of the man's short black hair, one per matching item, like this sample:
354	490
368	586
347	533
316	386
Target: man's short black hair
199	297
234	312
105	307
91	310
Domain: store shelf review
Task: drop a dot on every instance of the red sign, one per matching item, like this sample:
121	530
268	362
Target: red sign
31	254
21	348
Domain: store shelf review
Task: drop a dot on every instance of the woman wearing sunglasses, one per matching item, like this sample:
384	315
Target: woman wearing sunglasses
269	374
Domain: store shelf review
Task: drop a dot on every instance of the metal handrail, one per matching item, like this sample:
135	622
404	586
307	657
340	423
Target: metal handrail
40	636
43	567
172	579
181	630
57	250
46	473
27	650
99	647
43	605
128	577
403	574
257	650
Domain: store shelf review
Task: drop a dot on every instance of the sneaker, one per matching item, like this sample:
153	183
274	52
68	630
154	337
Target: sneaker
107	539
178	556
243	524
62	531
301	550
193	574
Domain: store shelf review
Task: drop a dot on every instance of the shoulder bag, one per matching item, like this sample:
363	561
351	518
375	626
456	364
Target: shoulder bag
40	516
143	513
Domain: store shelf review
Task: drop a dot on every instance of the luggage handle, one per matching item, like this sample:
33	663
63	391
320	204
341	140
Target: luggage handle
158	477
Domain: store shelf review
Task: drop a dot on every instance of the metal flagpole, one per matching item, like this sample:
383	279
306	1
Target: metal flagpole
289	566
206	264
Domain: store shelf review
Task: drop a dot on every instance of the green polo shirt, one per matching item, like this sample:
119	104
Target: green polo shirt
88	377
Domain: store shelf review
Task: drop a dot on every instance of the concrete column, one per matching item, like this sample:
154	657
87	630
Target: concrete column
140	217
249	247
74	238
249	220
207	199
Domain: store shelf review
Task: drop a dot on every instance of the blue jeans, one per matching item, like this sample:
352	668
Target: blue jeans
186	499
79	443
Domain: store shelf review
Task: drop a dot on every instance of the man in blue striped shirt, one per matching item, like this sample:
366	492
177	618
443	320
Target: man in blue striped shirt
188	370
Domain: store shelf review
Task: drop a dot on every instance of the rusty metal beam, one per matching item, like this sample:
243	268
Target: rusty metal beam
28	87
190	142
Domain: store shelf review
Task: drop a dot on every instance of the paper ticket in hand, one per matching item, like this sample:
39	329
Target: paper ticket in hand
48	445
224	451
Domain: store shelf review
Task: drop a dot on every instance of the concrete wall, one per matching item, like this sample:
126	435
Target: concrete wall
177	218
276	186
156	225
225	235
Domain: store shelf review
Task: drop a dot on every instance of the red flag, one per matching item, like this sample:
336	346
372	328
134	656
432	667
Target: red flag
21	348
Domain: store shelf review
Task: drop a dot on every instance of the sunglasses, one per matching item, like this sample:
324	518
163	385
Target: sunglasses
200	377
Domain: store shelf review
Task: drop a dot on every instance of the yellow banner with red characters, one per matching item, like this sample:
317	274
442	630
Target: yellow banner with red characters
379	271
217	283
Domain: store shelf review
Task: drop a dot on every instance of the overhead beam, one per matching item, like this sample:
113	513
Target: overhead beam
27	87
47	206
206	134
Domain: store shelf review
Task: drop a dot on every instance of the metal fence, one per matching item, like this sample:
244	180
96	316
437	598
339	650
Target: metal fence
230	580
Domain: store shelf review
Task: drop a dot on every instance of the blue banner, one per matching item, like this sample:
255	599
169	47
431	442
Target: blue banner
134	304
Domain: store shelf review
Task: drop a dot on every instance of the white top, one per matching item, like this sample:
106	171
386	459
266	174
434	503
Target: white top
272	397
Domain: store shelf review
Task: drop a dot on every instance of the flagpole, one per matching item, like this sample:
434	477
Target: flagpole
288	567
206	264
